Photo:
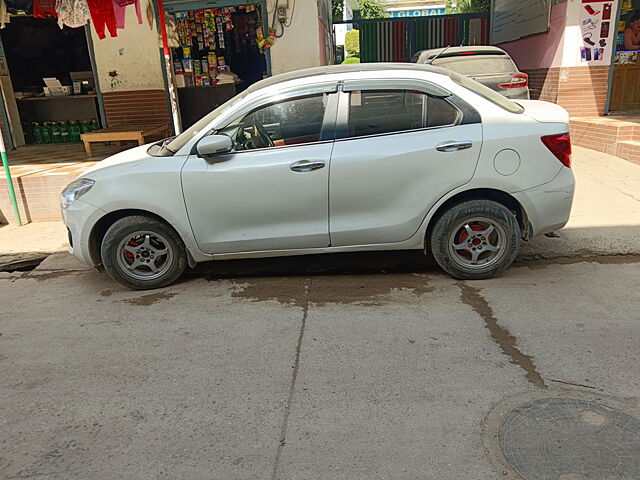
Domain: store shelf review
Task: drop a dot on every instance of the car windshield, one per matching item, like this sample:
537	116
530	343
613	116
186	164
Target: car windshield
181	140
477	65
486	93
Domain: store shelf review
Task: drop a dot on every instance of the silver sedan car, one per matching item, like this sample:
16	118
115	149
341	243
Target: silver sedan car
332	159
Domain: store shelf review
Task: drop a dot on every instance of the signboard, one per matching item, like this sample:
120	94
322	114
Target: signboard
512	20
598	30
425	12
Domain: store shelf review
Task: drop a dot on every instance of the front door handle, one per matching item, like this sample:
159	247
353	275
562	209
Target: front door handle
454	146
306	166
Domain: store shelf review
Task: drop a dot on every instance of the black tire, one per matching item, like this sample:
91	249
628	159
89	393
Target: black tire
154	235
452	245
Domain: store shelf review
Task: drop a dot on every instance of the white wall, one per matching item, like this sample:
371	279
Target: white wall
299	47
130	61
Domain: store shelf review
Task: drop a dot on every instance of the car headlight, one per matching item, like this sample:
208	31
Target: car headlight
75	190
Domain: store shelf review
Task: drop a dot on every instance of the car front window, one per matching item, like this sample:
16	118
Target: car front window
290	122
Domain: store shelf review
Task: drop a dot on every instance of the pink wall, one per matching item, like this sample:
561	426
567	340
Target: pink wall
543	50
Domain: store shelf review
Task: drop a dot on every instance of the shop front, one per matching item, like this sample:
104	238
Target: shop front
582	55
48	82
215	54
624	94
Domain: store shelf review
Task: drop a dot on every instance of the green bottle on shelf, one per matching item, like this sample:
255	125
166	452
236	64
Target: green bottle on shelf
55	132
36	132
75	130
64	133
46	133
85	126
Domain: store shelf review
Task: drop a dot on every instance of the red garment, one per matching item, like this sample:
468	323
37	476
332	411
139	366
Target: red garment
102	15
45	9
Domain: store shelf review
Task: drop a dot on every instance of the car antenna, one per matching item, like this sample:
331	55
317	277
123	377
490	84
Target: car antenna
430	61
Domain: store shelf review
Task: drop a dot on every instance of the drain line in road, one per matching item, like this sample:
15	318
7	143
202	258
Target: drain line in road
292	386
472	297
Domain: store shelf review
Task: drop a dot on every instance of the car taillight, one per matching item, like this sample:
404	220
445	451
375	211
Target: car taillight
560	146
518	80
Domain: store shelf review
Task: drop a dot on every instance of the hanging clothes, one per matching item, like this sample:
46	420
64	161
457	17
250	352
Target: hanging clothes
4	15
44	9
72	13
102	16
120	8
15	6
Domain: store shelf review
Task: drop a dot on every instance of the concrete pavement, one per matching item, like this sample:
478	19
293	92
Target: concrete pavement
354	375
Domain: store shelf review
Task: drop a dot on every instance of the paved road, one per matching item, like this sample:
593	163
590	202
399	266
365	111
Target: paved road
372	366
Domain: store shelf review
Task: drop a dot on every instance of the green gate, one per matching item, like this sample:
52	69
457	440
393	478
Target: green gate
397	39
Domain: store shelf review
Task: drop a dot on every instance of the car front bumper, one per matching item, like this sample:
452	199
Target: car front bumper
548	206
80	217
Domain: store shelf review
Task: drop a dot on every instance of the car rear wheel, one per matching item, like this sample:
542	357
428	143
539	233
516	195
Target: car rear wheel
475	239
142	253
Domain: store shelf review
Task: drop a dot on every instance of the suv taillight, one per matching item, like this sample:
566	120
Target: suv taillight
560	146
518	80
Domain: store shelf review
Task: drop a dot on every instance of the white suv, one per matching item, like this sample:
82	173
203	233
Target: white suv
332	159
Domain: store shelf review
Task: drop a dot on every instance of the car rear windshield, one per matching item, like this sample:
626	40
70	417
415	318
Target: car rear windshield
477	65
486	93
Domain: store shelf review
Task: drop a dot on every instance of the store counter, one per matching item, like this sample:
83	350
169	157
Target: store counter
58	108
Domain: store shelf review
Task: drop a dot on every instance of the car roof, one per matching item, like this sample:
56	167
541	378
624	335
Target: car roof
353	68
452	51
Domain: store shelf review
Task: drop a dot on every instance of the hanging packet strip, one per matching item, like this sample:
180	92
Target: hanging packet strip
72	13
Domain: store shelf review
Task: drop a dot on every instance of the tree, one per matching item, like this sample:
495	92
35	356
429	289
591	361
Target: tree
448	8
337	7
472	6
352	42
371	9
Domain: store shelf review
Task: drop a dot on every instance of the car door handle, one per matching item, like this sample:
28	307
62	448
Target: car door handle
306	166
454	146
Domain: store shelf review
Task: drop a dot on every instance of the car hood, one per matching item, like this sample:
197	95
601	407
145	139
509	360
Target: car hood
544	112
128	158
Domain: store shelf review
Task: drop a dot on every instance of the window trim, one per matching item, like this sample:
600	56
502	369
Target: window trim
342	121
326	130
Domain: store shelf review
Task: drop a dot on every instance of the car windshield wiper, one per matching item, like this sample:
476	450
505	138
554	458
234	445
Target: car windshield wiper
430	61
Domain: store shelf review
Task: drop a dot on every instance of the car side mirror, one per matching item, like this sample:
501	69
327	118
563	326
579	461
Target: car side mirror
214	145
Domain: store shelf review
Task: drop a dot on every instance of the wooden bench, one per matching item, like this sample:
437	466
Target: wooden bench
123	133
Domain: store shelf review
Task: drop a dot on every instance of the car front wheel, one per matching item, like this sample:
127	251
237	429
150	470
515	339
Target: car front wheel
143	253
475	239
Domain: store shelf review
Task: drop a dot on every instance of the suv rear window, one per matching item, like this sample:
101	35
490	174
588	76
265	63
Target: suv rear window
486	93
477	65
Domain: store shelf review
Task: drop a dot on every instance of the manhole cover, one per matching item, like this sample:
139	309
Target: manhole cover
569	439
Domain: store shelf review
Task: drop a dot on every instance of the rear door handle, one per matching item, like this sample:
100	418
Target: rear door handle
306	166
454	146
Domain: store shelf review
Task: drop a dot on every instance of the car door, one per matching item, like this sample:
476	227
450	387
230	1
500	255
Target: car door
271	191
397	151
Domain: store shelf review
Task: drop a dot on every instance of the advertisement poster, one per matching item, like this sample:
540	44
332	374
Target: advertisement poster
599	30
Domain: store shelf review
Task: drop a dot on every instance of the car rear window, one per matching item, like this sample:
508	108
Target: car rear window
477	65
486	93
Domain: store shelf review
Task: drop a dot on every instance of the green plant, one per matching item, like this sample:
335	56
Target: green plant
337	7
352	42
351	59
472	6
371	9
448	8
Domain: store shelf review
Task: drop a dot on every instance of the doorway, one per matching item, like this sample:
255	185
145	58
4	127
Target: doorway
50	90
